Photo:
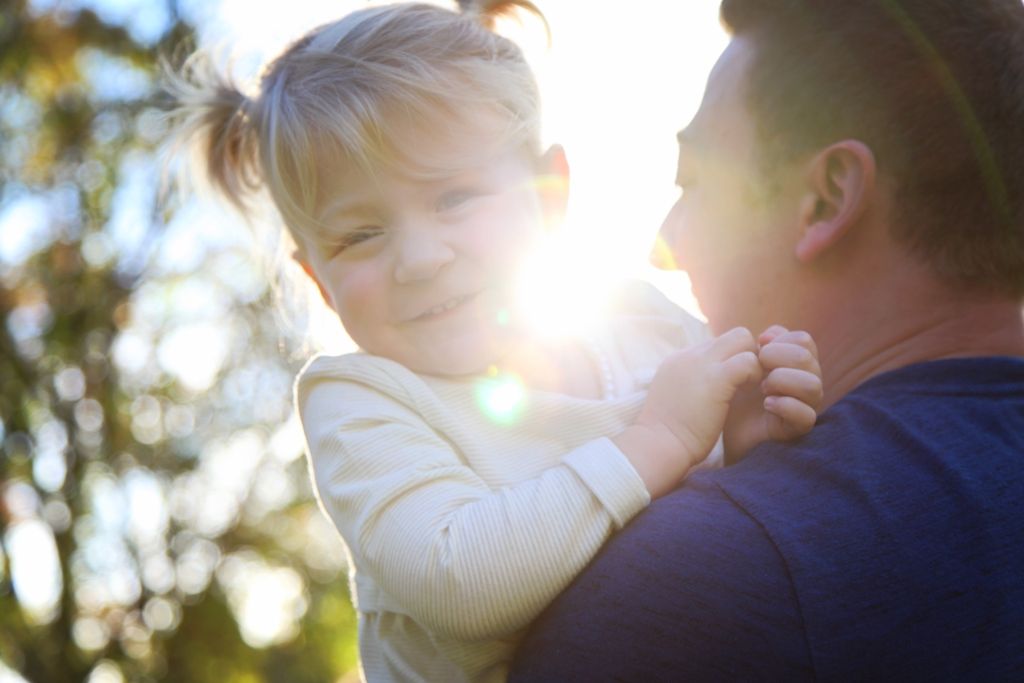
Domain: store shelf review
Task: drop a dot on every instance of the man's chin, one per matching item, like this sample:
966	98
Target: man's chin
720	322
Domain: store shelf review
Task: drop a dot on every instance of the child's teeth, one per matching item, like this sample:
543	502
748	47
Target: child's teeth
446	306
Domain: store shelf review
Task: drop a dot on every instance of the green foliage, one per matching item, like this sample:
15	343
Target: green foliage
155	512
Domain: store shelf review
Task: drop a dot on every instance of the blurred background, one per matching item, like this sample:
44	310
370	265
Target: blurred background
156	520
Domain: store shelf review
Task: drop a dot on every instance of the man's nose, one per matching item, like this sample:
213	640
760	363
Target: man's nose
421	255
663	252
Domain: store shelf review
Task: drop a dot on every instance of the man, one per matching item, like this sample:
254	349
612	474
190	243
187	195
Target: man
856	169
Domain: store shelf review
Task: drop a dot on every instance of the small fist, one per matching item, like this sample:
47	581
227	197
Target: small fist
691	392
792	386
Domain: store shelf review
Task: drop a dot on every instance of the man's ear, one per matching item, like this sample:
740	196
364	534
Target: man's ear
552	182
842	182
308	269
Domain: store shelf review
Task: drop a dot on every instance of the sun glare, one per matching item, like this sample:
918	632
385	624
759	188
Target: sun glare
618	82
562	289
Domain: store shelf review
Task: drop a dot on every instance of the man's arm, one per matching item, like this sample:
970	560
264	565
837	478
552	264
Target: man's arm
692	589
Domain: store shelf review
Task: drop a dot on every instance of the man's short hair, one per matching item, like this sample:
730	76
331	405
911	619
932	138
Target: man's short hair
934	87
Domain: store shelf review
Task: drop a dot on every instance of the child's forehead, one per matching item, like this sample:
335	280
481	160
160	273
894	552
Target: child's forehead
424	172
449	141
429	153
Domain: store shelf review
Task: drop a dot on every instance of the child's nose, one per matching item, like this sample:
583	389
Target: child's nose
420	256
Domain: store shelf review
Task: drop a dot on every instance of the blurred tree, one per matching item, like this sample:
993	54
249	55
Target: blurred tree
155	515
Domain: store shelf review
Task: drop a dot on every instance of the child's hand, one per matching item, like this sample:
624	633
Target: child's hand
792	386
686	407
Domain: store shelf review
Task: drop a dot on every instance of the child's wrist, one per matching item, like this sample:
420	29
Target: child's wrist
657	455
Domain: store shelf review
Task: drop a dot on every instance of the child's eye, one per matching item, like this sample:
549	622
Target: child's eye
353	237
453	199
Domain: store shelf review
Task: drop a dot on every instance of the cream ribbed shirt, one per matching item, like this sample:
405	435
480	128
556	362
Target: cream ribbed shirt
461	527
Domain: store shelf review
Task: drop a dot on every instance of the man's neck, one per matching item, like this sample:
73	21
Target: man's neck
856	348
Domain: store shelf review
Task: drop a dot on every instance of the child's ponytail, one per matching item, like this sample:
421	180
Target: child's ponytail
338	95
213	125
487	12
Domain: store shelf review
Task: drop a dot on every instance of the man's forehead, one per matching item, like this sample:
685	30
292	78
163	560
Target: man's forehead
723	96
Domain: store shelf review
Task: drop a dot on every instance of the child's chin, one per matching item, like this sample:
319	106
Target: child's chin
461	366
463	356
458	360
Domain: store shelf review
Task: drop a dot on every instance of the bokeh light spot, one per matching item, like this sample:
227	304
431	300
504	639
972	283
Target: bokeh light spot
90	634
501	398
160	614
35	569
106	671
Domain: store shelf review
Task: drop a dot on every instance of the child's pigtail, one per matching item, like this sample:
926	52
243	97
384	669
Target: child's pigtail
213	125
487	12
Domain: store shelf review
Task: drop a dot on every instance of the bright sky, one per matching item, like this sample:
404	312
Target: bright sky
617	83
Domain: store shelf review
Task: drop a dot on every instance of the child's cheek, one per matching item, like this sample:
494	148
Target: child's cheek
361	300
511	234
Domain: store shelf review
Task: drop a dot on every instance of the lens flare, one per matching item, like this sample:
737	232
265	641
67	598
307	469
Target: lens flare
662	257
501	396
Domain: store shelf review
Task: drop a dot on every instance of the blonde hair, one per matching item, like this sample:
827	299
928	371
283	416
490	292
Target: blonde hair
341	94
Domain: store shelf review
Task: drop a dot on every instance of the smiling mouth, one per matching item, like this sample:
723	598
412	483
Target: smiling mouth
443	308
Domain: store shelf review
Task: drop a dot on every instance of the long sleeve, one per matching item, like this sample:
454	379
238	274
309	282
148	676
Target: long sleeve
467	560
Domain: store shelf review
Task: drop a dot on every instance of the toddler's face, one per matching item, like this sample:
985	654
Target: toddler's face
424	271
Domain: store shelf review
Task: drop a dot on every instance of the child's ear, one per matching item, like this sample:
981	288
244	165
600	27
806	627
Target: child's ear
308	269
552	181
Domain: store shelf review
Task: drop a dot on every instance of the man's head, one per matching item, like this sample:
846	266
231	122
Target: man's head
930	93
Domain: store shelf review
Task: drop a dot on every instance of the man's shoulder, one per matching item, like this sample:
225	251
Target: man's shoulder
897	519
935	407
886	458
854	551
671	597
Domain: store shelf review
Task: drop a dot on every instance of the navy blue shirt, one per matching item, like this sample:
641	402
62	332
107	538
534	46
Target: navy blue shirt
886	544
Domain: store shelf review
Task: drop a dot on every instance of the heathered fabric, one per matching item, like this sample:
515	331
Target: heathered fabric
888	544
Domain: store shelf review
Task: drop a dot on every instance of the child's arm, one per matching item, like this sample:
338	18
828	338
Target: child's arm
466	560
785	404
472	562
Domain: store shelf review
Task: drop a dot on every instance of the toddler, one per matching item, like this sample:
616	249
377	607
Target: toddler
471	466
